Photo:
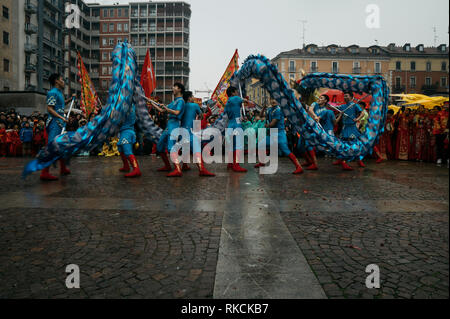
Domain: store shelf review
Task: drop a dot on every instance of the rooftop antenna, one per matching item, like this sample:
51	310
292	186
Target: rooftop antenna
303	32
435	36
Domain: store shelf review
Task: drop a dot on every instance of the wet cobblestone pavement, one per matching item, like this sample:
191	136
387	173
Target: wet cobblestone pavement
155	237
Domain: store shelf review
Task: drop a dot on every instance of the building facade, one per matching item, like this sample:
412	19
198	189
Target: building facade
392	62
34	33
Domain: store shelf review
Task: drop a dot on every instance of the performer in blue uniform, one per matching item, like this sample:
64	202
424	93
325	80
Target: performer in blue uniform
326	118
175	110
233	111
350	114
127	138
275	119
192	112
56	120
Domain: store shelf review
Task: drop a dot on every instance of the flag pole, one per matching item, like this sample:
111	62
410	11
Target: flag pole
68	115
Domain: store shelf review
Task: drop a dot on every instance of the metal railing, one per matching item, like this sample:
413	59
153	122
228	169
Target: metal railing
31	28
356	70
30	67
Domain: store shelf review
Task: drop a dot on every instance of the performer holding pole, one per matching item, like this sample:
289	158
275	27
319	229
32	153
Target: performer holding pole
326	119
233	111
175	110
56	120
276	120
353	113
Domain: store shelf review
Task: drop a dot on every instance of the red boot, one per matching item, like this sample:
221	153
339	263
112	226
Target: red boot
259	165
298	167
154	149
126	166
46	176
313	166
63	168
361	164
379	160
346	167
176	172
202	171
338	162
377	152
307	158
236	166
185	167
230	165
136	172
167	166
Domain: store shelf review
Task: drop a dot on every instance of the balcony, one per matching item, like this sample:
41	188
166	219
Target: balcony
292	70
313	69
356	70
30	28
30	8
335	70
30	48
30	68
51	20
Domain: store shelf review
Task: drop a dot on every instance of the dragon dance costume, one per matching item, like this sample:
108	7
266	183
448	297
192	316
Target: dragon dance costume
274	113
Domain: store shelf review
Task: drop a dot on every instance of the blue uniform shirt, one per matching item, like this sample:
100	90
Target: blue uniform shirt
177	105
274	113
352	112
327	117
191	110
55	98
233	107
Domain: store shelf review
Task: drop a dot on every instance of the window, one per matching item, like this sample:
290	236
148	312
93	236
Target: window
444	66
412	82
119	12
119	27
152	41
398	81
428	66
398	66
377	67
111	42
313	66
125	27
443	82
356	67
5	38
105	56
126	13
443	48
312	50
5	12
413	65
354	50
104	84
105	13
143	41
104	70
110	70
335	67
104	42
105	27
111	27
333	50
408	48
291	66
428	81
111	13
5	65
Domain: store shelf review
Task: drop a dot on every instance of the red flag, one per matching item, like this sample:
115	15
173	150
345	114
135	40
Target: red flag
148	79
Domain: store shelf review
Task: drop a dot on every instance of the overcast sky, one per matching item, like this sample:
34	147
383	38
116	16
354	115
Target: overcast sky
218	27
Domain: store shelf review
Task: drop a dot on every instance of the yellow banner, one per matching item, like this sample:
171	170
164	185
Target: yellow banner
220	93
